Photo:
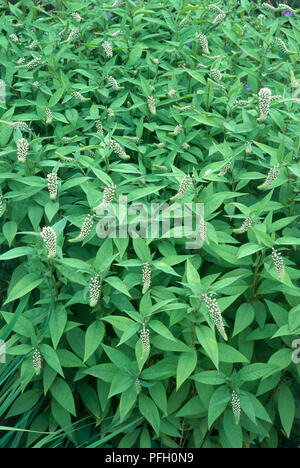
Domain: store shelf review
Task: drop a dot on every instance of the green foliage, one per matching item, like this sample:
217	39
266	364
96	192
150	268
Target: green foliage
214	366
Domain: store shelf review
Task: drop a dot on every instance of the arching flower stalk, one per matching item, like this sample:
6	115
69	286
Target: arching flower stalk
225	168
236	406
216	74
14	37
79	96
99	127
116	148
177	130
215	9
52	185
264	101
269	7
278	263
215	314
271	177
85	229
203	42
147	275
49	115
138	386
49	237
33	63
114	84
37	361
108	196
1	206
218	19
73	34
202	230
245	226
282	46
151	105
95	290
21	125
145	339
76	16
22	149
107	49
184	187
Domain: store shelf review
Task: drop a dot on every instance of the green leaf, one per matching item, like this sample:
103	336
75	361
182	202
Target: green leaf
51	358
186	365
161	329
9	231
286	408
24	402
62	393
244	317
57	323
93	337
150	412
218	404
232	430
24	286
207	339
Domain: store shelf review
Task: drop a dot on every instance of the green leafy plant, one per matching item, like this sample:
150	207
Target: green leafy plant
140	342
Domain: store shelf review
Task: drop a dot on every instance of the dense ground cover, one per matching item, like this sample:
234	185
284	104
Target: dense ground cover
141	342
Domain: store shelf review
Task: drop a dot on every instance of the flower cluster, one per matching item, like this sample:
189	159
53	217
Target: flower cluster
203	42
85	229
49	115
22	149
269	7
1	205
215	9
184	187
278	262
216	74
151	104
264	101
114	145
286	8
49	237
218	19
171	93
33	63
73	34
147	274
95	290
225	168
33	45
79	96
108	49
138	386
108	196
76	16
99	127
52	185
21	125
271	177
282	46
37	361
145	339
236	406
114	84
177	130
215	313
245	226
14	37
202	230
